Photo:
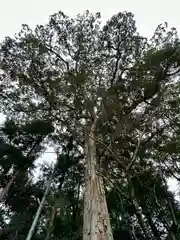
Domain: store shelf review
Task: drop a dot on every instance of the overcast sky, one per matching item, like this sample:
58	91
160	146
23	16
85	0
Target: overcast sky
148	14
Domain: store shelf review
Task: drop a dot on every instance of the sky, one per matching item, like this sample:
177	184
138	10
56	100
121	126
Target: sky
148	14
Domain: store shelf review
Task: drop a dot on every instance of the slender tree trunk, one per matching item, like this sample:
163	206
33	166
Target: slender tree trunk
154	230
77	205
53	213
5	191
96	224
39	210
174	227
171	233
51	223
138	213
78	191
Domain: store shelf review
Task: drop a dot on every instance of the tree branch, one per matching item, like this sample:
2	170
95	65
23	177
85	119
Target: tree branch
57	55
174	73
135	152
110	150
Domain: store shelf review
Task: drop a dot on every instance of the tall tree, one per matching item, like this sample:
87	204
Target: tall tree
105	88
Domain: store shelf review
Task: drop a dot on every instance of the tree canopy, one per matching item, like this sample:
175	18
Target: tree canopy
107	100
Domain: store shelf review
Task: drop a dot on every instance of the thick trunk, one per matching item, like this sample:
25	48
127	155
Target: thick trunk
5	191
51	223
96	225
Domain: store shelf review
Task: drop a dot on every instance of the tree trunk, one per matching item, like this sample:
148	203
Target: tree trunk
138	213
96	222
39	210
152	225
5	191
51	223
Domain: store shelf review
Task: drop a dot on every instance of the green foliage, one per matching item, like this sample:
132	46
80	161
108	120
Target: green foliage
60	76
172	147
39	127
10	128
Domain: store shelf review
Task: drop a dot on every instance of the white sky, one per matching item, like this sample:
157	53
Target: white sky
148	14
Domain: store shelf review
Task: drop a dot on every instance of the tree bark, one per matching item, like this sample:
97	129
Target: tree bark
96	222
5	191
